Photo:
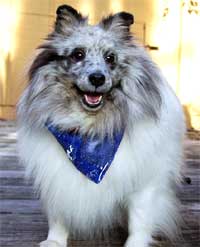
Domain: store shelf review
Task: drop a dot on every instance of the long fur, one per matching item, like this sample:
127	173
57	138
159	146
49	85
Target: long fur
148	161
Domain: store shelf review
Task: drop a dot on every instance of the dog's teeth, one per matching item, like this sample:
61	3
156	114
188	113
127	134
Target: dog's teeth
93	99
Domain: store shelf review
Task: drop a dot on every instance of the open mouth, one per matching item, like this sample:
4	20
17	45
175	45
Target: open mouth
91	101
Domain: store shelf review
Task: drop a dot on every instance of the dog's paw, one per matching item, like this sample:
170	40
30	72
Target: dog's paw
51	243
133	242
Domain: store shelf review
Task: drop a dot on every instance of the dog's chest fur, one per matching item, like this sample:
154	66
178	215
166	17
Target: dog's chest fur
69	195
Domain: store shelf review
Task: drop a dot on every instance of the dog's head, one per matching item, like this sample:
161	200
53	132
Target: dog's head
94	78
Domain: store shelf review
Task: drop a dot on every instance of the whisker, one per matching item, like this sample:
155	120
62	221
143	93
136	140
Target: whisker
127	95
42	91
118	108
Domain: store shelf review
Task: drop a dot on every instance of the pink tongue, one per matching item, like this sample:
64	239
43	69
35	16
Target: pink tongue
92	99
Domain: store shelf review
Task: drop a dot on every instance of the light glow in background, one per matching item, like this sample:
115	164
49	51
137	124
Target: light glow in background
176	35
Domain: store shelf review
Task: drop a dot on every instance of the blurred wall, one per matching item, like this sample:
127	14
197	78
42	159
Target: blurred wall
162	24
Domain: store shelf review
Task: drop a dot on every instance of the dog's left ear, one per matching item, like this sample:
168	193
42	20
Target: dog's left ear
67	16
120	20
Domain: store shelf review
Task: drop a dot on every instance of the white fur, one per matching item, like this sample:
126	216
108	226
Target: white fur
139	179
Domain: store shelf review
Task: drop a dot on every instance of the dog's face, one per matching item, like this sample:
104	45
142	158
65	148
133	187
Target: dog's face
86	76
93	64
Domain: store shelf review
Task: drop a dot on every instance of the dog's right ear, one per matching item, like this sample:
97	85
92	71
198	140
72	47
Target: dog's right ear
67	16
121	20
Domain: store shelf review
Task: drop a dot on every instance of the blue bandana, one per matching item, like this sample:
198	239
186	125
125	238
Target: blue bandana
91	156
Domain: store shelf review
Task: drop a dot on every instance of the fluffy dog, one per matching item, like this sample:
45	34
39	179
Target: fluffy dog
97	83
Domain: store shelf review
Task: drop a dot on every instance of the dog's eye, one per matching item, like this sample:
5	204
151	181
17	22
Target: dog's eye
77	55
110	58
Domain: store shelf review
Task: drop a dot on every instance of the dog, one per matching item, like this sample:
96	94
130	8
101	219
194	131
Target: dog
101	132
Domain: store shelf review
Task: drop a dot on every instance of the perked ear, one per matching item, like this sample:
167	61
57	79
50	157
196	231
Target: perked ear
66	15
121	19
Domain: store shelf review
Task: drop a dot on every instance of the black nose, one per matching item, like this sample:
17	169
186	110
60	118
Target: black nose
97	79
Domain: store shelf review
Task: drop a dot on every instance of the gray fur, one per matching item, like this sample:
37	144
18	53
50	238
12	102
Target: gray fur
134	96
131	91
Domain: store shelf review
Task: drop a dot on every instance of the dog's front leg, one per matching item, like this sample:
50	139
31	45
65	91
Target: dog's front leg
149	210
57	235
139	221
